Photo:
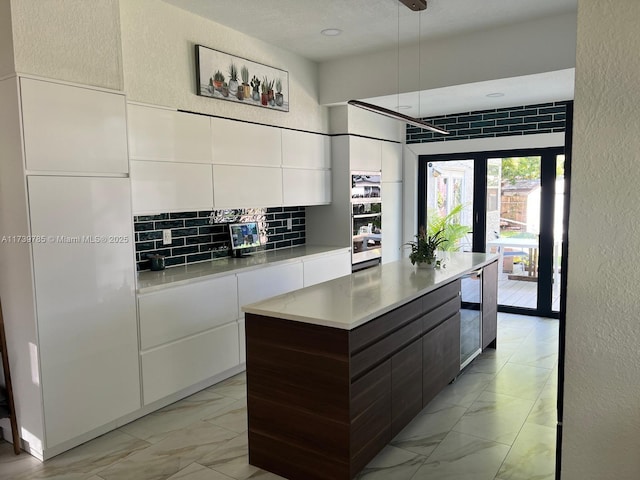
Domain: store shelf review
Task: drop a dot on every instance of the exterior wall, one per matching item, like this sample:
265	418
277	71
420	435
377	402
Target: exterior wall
602	372
72	40
159	65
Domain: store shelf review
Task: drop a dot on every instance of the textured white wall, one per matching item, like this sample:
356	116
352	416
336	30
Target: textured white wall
72	40
159	65
541	45
602	385
6	39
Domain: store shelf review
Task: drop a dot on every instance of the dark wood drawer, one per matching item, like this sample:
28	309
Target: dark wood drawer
441	357
380	351
438	315
382	326
442	295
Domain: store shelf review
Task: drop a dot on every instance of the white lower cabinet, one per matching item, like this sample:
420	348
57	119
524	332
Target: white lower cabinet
181	311
326	267
268	282
243	341
159	187
183	363
306	187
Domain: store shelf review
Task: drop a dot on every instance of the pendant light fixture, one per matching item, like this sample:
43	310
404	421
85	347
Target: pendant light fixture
415	5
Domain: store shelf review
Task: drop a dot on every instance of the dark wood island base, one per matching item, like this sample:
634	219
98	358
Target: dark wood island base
323	401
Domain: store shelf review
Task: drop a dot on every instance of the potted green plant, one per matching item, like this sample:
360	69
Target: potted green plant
423	250
218	79
233	79
225	89
279	96
244	73
255	84
453	232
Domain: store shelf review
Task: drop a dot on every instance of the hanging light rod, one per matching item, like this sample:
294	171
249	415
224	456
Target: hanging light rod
397	116
415	5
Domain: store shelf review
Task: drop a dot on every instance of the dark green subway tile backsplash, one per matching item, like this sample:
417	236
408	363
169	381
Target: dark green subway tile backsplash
496	122
202	236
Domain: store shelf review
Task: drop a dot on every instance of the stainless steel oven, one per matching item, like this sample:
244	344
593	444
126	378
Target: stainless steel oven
366	219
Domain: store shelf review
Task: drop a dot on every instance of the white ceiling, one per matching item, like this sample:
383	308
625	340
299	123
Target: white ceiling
369	25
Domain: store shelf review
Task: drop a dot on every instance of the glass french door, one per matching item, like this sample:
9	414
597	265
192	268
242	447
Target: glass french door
508	203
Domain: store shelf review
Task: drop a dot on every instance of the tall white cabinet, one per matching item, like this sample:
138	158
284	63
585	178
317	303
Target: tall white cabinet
72	323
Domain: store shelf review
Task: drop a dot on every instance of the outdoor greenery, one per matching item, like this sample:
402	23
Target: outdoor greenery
520	168
449	226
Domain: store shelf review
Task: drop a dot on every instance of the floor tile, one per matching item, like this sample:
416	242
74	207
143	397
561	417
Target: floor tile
171	455
466	389
234	387
88	459
495	417
196	471
158	425
11	465
522	381
532	456
426	432
232	417
392	463
463	457
539	354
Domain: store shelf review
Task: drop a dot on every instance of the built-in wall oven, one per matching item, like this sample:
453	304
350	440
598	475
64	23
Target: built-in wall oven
366	219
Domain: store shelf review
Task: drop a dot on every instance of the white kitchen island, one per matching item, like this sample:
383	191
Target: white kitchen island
334	371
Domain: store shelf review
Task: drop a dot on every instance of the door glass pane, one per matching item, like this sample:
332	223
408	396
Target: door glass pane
557	230
513	227
450	202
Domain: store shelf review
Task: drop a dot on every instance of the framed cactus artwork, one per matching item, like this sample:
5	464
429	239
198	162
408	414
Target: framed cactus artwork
228	77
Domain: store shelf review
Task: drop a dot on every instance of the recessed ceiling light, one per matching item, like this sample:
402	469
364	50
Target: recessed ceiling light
495	95
331	32
403	107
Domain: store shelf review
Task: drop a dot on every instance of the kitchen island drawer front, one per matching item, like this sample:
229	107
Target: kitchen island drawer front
443	294
379	351
440	357
173	367
178	312
406	386
382	326
440	314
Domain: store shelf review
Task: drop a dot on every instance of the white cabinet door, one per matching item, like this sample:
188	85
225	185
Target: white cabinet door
240	143
170	187
243	341
181	364
391	162
166	135
178	312
85	297
305	150
365	154
306	187
73	129
391	222
268	282
326	267
241	186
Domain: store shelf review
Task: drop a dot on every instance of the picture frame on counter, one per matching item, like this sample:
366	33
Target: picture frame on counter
236	79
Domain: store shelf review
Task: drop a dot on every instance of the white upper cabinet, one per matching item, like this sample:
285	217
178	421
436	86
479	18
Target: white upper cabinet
305	150
159	187
238	143
392	221
166	135
306	187
241	186
365	154
391	162
73	129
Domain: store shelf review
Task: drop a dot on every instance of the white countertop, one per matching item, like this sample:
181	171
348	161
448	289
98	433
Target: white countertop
173	276
350	301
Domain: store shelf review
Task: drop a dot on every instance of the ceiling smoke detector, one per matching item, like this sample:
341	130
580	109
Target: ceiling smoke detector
415	5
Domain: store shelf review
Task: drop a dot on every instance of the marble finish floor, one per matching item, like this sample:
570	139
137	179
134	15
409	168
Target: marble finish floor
495	422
